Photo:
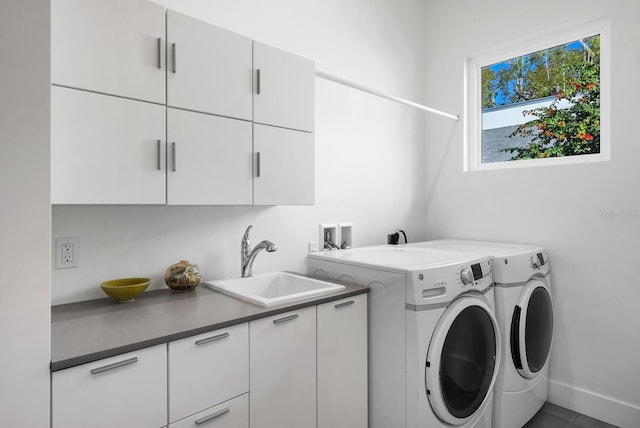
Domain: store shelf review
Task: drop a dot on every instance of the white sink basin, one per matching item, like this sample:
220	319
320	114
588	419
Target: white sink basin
274	288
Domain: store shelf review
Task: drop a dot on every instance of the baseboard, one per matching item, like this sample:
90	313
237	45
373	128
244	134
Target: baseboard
606	409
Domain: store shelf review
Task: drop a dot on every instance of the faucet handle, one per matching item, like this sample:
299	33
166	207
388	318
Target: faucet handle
246	233
244	245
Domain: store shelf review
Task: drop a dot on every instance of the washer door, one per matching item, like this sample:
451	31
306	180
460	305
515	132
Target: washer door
532	329
462	360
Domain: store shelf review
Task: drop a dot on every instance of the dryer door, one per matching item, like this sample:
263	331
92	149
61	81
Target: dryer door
462	360
532	329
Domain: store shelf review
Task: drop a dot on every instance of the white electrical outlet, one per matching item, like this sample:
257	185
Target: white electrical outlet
67	251
313	247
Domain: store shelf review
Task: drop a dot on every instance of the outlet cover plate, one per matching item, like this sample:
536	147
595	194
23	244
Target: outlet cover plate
67	250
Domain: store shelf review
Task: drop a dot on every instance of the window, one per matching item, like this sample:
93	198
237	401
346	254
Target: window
540	101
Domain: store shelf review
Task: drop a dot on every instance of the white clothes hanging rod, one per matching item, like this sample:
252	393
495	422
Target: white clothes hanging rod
359	87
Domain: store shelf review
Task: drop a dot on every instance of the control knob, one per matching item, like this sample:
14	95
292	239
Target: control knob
466	276
535	263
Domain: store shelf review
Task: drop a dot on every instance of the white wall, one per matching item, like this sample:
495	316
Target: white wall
369	152
595	361
24	213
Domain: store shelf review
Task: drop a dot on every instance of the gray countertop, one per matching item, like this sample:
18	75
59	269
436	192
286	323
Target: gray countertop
88	331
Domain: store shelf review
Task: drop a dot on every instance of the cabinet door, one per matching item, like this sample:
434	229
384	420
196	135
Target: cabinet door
123	391
342	363
285	166
231	414
209	160
283	370
110	46
208	369
284	93
209	68
106	150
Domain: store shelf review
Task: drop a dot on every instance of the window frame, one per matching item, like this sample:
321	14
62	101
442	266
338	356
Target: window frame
534	43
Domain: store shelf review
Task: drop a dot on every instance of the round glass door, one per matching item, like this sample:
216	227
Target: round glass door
462	361
532	329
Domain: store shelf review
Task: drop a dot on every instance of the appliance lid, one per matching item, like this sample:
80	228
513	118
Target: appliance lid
484	248
394	257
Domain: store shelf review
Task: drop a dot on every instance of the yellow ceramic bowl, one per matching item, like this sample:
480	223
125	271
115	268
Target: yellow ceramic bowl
125	289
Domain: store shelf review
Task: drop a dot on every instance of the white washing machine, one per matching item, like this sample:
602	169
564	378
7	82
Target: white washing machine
434	344
525	315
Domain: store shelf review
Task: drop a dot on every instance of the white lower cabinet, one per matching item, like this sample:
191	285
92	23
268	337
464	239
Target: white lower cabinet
230	414
342	363
299	369
206	370
283	370
114	392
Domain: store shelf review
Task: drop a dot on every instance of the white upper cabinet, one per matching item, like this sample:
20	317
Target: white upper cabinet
106	150
284	166
209	69
208	159
114	47
284	93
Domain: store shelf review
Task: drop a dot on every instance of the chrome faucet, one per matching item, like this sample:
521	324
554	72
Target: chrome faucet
248	256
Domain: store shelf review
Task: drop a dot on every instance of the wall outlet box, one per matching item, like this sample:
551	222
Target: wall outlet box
328	236
66	251
346	240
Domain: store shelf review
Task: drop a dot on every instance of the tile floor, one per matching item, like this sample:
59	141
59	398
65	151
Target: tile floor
552	416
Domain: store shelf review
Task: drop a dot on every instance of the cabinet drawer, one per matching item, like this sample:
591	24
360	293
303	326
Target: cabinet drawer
207	369
127	390
230	414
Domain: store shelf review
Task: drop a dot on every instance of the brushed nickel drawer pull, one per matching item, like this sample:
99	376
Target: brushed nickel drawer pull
285	319
212	339
342	305
159	155
213	416
114	365
258	164
159	52
173	57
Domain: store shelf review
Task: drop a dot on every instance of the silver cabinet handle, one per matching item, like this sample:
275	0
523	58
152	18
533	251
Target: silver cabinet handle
257	164
343	304
114	365
213	416
173	57
285	319
258	86
173	155
212	339
159	155
159	52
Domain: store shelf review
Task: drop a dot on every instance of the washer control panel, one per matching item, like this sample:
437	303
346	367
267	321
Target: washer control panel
445	282
474	273
538	260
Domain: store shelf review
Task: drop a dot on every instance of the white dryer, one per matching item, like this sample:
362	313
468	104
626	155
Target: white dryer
525	315
434	344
